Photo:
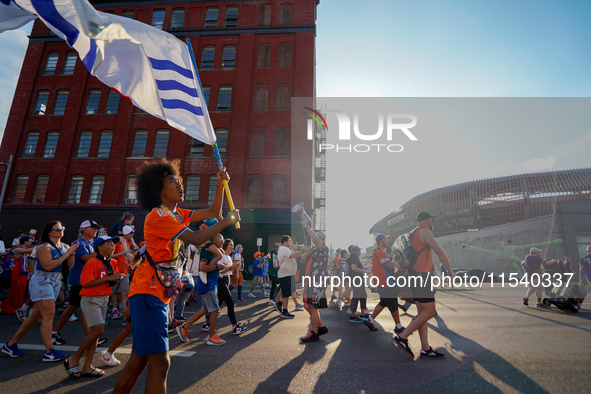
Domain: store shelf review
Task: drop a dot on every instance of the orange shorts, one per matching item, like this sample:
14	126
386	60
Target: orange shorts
237	278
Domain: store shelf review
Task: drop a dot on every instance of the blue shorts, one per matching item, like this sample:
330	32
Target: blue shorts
45	285
150	324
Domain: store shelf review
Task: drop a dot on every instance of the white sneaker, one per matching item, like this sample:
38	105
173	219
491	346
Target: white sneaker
300	306
339	302
271	302
266	294
111	361
73	318
250	295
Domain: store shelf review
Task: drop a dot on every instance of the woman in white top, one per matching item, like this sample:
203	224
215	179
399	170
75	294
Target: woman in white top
224	294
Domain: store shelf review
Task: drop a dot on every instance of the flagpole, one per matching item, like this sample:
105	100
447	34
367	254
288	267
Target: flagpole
216	150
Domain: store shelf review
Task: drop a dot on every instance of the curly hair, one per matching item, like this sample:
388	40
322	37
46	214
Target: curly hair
46	230
149	182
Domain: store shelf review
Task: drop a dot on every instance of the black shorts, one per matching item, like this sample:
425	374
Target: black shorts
388	298
75	295
285	286
422	293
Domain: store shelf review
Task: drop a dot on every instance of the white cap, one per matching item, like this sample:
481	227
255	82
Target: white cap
127	230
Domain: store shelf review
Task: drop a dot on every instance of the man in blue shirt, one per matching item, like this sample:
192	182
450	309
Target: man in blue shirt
85	252
257	274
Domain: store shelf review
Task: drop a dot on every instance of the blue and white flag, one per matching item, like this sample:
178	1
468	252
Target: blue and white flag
151	67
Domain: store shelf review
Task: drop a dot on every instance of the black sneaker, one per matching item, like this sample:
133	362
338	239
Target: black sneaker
311	337
370	325
279	307
403	344
525	301
56	339
322	330
102	340
432	354
287	315
399	330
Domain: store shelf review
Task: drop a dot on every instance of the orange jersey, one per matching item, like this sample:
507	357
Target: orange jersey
95	269
120	261
161	231
378	259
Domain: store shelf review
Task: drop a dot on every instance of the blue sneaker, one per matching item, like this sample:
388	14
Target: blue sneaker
12	351
53	355
355	320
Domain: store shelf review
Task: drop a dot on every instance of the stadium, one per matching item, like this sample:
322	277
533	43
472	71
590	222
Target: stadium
491	223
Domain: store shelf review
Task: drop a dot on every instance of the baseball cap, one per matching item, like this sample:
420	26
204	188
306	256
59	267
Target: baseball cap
379	237
24	239
257	254
100	240
355	249
89	223
127	230
535	250
425	215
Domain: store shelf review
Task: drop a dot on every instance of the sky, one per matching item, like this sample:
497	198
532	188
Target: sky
432	48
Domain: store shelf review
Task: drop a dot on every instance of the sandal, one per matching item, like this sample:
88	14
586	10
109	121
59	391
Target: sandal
72	371
96	373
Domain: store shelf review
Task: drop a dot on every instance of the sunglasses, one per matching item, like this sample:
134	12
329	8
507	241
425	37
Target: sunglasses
58	229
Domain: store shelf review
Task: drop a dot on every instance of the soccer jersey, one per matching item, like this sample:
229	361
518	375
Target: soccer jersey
161	231
378	259
95	268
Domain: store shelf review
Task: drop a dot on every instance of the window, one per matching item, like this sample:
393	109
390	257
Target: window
158	19
70	63
254	194
286	14
207	57
213	182
40	189
265	14
257	142
206	92
105	141
131	190
84	145
161	143
31	144
178	17
211	17
231	16
75	189
139	143
97	184
224	98
283	97
51	144
263	55
20	187
41	103
261	98
94	97
281	142
229	57
221	136
51	63
285	55
127	14
196	148
112	102
61	100
192	190
279	190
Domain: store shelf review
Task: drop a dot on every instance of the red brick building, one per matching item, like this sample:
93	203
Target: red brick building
77	146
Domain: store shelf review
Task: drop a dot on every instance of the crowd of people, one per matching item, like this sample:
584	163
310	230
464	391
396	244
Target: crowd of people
108	275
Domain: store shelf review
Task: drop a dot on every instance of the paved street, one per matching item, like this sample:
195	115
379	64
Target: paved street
493	344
